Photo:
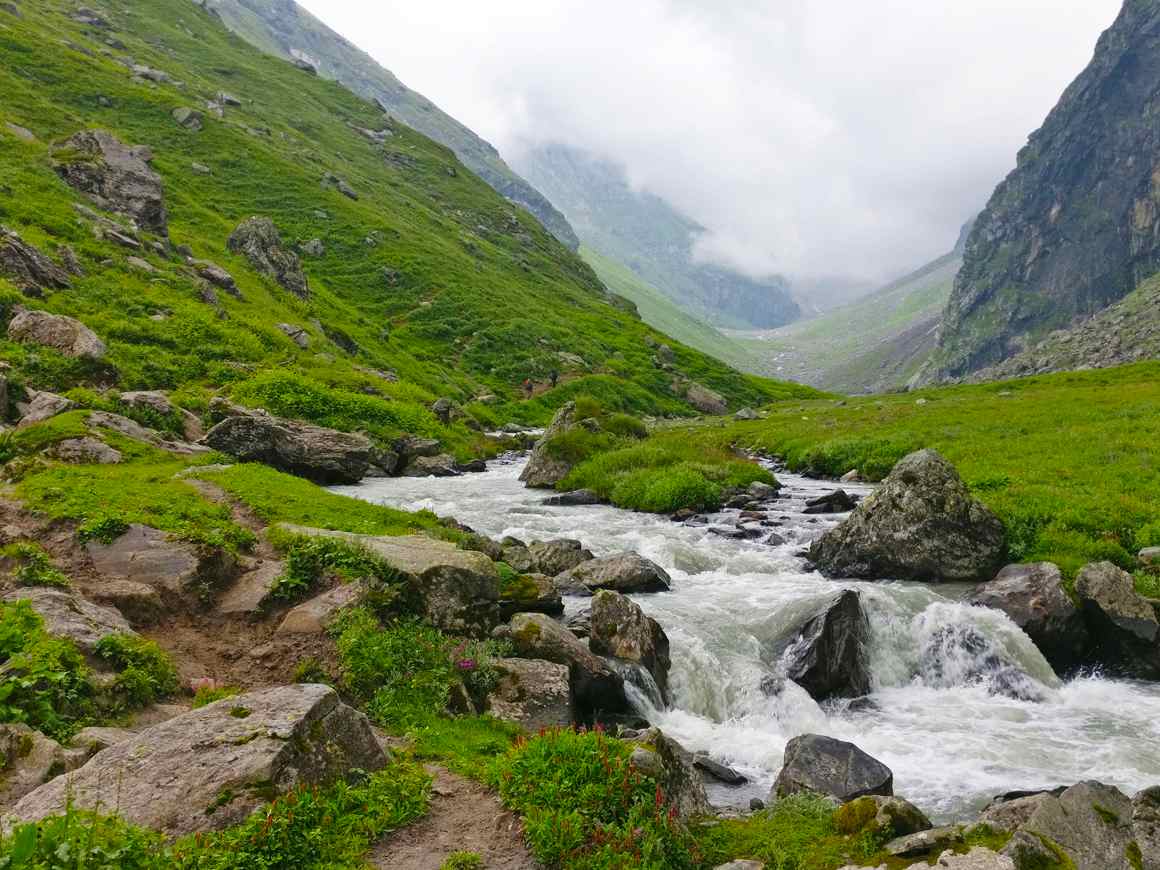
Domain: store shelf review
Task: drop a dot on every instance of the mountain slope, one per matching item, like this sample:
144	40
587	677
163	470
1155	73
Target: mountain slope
874	344
281	27
423	282
1076	226
658	311
645	234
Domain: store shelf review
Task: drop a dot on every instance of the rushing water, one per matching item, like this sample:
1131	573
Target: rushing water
936	719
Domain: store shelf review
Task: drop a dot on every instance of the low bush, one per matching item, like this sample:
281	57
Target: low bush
309	560
145	672
33	566
81	840
206	695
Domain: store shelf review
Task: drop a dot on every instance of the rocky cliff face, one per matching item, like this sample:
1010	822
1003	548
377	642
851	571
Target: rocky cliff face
1076	226
282	27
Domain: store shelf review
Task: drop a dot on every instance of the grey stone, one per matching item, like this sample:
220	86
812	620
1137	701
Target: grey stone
190	119
1146	826
251	592
556	556
115	176
920	524
544	469
544	600
84	451
577	497
70	616
66	334
718	771
210	768
42	406
746	414
296	334
923	843
257	239
623	572
320	454
217	276
27	267
979	858
140	603
533	693
440	465
619	628
28	759
671	765
1090	821
882	816
828	656
823	765
1123	624
316	615
148	400
705	400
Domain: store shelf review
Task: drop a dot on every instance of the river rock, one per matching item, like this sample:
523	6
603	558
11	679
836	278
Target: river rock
558	555
66	334
718	771
455	590
257	240
881	816
210	768
1033	597
671	765
920	524
575	498
440	465
410	446
979	858
181	572
596	688
70	616
924	842
828	656
1123	623
1091	822
1010	814
623	572
544	468
323	455
619	628
534	693
823	765
115	176
535	593
27	267
1146	826
836	502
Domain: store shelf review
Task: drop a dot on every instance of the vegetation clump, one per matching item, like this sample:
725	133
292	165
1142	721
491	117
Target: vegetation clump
33	567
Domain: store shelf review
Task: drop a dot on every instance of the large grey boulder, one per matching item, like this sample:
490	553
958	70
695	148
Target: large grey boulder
257	240
533	693
27	267
179	571
881	816
1033	597
85	450
439	465
920	524
117	177
1091	822
597	688
1125	631
705	400
210	768
534	593
623	572
66	334
545	468
455	590
659	756
826	766
619	628
323	455
557	555
41	406
828	656
70	616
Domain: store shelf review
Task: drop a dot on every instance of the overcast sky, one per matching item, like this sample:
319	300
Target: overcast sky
811	137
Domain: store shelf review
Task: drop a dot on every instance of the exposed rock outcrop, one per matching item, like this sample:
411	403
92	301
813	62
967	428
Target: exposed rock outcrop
28	759
828	656
322	455
545	469
210	768
257	240
623	572
70	616
619	628
66	334
1033	597
533	693
27	267
116	176
825	766
920	524
671	765
1124	627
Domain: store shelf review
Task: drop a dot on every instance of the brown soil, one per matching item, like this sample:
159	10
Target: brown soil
464	817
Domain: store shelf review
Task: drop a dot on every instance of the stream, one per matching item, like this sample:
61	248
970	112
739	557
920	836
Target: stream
934	717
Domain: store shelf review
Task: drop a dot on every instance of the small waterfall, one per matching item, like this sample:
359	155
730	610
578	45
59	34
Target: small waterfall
640	688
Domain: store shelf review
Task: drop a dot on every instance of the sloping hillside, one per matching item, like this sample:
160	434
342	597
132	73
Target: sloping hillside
645	234
1076	226
281	27
423	282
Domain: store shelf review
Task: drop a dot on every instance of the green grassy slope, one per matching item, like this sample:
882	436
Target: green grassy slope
873	344
429	274
281	25
659	311
1068	461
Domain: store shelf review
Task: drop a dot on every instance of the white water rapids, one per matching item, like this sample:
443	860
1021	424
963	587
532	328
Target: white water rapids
951	742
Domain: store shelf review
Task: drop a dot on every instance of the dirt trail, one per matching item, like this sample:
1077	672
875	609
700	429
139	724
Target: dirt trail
464	817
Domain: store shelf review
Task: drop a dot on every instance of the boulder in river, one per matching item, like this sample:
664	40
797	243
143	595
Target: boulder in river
558	555
920	524
116	176
577	497
836	502
881	816
1091	823
546	467
257	239
323	455
1123	623
826	766
1033	597
828	657
597	688
624	572
619	628
210	768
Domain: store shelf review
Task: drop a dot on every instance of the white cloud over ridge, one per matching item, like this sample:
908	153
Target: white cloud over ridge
810	137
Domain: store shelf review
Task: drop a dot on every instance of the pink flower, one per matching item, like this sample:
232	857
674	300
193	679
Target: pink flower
465	664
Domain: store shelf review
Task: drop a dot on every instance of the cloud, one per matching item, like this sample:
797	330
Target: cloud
810	137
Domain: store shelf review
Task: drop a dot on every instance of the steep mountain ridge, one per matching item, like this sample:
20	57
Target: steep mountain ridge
648	236
283	28
1075	227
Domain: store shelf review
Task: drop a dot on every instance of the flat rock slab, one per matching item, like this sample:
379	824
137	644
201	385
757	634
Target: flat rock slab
149	556
211	768
251	592
313	616
464	817
70	616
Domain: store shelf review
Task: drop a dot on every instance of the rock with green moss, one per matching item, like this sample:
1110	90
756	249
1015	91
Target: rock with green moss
1146	828
978	858
210	768
28	267
317	453
671	765
1123	622
257	239
58	331
68	615
619	628
533	693
880	815
28	759
529	593
545	469
1090	823
925	842
117	177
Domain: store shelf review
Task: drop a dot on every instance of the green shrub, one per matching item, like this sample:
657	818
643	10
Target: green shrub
145	671
463	861
309	560
625	426
206	695
82	840
310	670
585	806
103	529
33	566
577	444
588	406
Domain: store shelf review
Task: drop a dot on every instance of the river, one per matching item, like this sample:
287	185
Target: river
951	741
